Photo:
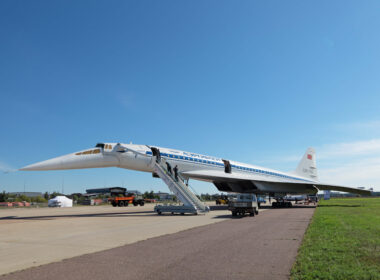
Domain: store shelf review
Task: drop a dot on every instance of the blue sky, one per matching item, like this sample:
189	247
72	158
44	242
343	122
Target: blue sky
252	81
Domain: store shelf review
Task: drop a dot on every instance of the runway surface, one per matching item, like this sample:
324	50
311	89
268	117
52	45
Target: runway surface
36	236
261	247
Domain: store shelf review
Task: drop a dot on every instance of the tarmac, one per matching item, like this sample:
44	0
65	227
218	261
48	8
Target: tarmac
214	246
35	236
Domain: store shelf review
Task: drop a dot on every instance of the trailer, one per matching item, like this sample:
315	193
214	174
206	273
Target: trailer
175	209
126	199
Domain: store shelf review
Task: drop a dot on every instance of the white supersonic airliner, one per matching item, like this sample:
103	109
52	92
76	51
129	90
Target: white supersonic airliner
226	175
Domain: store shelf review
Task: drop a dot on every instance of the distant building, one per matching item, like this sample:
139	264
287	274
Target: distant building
29	194
105	190
109	191
164	196
134	191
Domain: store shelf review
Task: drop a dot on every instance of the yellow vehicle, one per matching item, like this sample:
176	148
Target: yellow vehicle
222	200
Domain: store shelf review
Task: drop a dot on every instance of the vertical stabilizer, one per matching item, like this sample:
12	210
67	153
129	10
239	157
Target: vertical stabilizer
308	165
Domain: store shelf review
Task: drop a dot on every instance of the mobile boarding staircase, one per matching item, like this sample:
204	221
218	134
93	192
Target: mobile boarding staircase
191	203
176	184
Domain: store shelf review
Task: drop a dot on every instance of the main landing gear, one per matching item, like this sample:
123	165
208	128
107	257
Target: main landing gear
282	204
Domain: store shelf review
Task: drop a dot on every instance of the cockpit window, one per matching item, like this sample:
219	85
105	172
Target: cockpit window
89	152
103	146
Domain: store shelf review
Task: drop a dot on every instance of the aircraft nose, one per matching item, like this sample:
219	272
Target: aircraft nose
80	160
50	164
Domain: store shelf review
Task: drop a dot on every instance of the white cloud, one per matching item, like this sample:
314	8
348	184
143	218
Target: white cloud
6	168
350	149
356	173
369	125
355	164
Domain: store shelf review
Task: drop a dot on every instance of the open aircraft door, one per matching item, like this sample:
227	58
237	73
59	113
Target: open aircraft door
227	166
156	153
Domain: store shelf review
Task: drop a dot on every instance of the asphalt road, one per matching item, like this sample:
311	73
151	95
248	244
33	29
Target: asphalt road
260	247
35	236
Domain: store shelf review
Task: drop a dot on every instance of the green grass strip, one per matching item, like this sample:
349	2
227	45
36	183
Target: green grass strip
342	241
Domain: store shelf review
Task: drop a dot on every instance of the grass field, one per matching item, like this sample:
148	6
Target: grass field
342	241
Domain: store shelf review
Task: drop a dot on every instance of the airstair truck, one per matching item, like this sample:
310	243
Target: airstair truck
244	203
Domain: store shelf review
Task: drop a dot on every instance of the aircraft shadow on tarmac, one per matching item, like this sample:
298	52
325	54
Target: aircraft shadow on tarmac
93	215
229	216
218	207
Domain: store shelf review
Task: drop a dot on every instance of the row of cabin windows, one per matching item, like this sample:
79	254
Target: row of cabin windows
238	167
193	159
262	171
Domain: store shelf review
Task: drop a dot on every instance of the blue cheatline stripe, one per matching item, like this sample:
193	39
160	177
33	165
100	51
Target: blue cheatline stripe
213	163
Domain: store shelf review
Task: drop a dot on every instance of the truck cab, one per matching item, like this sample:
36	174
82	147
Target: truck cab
244	203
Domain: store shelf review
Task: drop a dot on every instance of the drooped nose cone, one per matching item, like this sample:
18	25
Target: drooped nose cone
74	161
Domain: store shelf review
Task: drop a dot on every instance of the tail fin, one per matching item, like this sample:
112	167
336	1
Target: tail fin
308	166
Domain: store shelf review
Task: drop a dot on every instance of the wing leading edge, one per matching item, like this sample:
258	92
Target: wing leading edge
230	182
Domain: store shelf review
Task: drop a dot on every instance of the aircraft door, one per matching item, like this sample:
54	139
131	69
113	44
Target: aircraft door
156	153
227	166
